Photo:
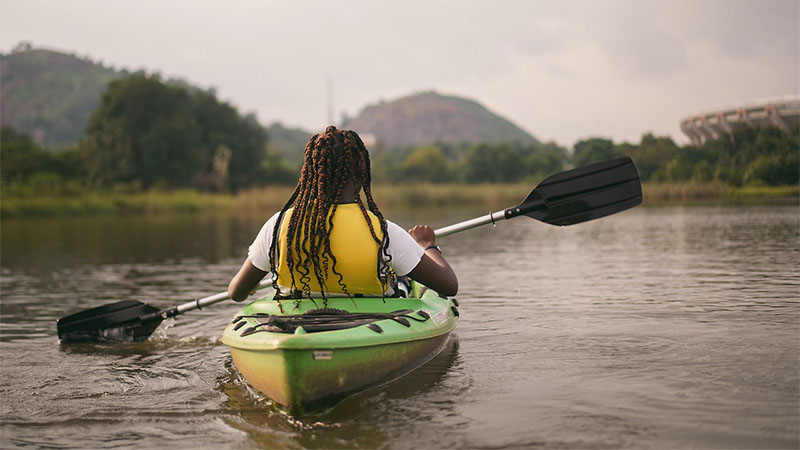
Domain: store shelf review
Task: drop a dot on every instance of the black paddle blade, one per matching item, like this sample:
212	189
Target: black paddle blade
584	194
115	322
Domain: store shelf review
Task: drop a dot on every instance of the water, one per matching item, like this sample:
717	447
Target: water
656	328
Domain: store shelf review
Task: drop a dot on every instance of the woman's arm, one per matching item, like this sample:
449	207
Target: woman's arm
245	281
433	270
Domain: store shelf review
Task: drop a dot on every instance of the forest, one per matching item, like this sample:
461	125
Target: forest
147	134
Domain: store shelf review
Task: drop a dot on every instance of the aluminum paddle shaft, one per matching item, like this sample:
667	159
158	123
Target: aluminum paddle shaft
472	223
200	303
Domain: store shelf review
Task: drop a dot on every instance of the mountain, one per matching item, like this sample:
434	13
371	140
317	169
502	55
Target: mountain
49	95
429	117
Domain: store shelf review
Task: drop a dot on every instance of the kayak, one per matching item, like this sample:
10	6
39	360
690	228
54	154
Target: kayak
307	356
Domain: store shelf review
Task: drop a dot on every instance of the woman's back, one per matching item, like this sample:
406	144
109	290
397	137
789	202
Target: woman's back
353	251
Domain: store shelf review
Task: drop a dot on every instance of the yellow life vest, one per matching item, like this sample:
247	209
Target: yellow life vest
353	246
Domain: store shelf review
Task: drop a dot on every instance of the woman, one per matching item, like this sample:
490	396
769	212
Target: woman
326	241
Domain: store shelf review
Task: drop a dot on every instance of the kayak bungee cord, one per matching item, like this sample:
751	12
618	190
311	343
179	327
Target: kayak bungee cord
324	319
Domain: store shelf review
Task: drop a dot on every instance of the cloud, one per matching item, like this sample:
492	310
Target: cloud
562	70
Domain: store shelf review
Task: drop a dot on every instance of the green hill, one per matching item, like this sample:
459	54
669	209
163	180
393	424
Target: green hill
287	142
50	95
428	117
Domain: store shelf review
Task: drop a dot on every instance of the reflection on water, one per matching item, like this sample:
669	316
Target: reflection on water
659	327
425	394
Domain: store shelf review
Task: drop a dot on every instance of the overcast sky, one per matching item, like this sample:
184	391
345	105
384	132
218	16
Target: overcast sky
562	70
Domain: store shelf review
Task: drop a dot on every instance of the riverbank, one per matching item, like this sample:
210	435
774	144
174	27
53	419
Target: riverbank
655	194
261	200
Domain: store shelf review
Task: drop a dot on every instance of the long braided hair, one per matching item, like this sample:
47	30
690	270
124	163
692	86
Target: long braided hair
330	160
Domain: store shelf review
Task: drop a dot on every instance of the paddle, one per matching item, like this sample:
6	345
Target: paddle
126	320
566	198
571	197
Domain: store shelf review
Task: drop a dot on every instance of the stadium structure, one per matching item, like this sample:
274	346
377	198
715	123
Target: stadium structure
782	112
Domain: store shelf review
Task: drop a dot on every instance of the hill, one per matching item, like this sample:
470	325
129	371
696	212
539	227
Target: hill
429	117
287	142
50	95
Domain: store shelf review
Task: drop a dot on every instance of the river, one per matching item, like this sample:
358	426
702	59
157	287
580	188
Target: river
660	327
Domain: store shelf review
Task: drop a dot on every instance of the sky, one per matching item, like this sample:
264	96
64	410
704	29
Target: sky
563	71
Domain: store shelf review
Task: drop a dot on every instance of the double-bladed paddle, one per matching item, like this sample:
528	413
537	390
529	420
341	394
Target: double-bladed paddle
572	196
566	198
126	320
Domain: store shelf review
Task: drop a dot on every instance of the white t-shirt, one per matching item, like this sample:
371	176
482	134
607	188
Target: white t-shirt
404	250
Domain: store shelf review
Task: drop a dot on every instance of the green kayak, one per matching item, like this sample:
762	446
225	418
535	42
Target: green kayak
306	357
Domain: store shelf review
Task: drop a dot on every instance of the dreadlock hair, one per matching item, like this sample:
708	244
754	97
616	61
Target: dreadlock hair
330	160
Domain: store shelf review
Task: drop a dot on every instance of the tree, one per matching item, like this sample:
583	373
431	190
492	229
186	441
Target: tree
651	155
426	164
493	164
593	150
160	134
144	131
385	167
221	125
545	159
20	157
774	170
276	170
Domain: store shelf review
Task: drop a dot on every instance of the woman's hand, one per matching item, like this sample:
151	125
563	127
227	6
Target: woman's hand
424	235
432	270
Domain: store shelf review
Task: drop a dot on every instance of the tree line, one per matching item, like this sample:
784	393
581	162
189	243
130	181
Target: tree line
749	156
148	134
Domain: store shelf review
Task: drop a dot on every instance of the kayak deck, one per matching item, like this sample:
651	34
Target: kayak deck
306	370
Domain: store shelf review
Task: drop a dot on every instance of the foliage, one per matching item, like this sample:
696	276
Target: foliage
276	170
289	143
593	150
750	156
651	155
773	170
491	164
476	163
160	134
545	159
26	169
426	163
386	167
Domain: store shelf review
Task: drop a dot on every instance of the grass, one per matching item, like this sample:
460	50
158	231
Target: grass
267	199
692	193
451	194
110	203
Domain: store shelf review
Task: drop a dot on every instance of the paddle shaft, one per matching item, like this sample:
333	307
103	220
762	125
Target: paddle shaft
566	198
492	218
446	231
200	303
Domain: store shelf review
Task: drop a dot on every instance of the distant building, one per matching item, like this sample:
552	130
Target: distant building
782	112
